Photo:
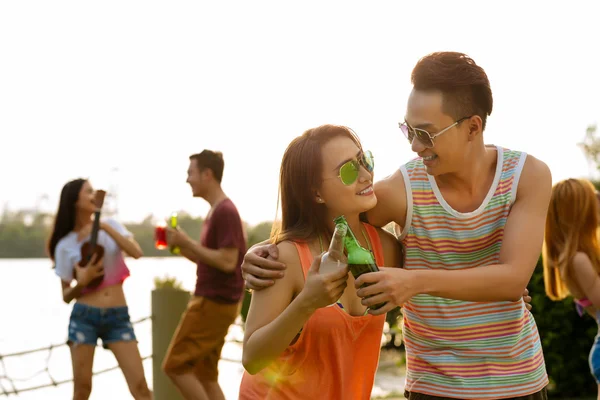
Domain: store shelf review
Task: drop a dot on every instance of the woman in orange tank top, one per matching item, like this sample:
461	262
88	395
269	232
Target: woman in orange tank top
296	345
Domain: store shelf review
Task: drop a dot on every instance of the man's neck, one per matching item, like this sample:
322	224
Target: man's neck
215	196
473	174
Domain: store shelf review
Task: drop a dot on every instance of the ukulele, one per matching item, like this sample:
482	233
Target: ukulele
91	247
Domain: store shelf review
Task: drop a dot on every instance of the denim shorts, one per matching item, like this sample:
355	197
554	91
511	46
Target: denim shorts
88	324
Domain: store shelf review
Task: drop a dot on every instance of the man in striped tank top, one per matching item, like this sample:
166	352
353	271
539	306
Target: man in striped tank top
471	217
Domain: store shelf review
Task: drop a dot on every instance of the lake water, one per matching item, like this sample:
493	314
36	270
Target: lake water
33	315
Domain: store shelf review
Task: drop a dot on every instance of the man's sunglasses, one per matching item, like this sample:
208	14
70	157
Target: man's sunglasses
424	137
350	169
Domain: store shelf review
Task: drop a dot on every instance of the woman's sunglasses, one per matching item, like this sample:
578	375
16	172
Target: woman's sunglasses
349	170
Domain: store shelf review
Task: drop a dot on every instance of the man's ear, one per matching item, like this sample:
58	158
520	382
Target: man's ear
475	125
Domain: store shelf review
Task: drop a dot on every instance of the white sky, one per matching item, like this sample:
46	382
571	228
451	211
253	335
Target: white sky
86	87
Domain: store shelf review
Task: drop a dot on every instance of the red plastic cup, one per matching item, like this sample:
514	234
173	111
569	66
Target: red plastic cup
160	237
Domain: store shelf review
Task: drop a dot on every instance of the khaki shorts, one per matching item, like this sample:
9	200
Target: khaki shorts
200	336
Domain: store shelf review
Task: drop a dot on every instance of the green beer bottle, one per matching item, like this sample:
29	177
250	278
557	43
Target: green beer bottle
360	260
173	224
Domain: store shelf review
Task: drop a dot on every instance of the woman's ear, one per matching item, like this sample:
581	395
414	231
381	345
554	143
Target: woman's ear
318	197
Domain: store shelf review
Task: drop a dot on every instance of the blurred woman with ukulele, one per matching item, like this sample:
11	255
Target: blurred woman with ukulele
88	251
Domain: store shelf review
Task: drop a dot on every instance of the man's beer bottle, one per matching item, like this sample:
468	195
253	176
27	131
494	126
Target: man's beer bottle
360	260
173	223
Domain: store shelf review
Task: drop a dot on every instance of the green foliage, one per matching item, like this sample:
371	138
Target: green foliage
591	146
245	305
566	340
259	233
168	282
23	234
394	335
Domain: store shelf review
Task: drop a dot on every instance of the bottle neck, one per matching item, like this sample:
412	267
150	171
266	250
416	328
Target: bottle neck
351	240
352	244
336	246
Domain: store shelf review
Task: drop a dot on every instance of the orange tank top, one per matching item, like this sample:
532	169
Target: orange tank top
335	357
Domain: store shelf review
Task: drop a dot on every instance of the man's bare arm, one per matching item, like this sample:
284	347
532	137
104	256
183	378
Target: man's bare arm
391	201
505	281
260	268
189	254
520	251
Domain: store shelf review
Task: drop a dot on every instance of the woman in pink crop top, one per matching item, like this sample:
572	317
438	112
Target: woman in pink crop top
571	252
99	313
308	336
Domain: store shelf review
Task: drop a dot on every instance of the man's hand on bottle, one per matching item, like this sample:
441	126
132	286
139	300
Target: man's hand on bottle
260	272
177	237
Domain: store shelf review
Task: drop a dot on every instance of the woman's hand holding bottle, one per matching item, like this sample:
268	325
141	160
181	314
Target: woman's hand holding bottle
321	290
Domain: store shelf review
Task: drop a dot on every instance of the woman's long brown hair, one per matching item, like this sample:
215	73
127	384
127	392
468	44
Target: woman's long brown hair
302	218
571	227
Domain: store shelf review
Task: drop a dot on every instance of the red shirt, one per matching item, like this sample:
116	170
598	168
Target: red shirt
223	229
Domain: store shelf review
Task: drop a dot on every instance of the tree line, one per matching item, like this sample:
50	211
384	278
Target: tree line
24	234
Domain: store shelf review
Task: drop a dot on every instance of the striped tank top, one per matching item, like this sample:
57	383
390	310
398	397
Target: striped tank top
462	349
335	357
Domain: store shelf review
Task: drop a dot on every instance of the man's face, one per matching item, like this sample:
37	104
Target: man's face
196	179
424	111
